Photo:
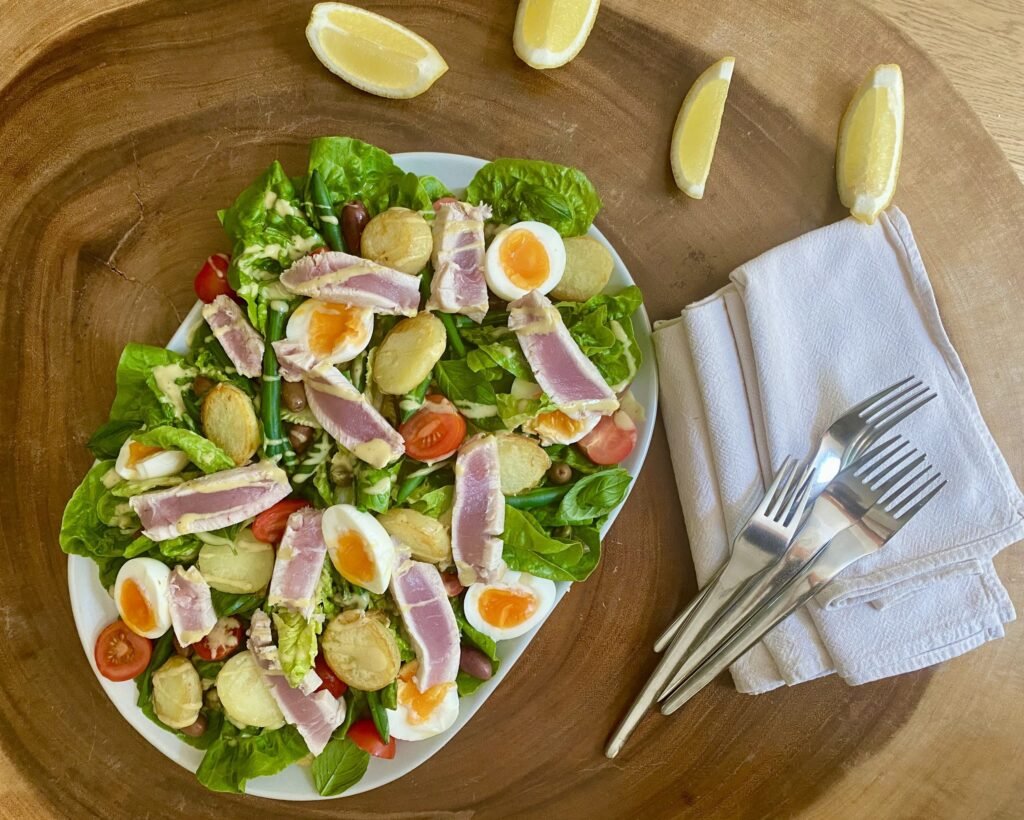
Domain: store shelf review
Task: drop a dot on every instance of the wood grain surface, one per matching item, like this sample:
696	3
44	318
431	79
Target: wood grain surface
126	124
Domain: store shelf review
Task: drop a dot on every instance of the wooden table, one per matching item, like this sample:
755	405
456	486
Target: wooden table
102	254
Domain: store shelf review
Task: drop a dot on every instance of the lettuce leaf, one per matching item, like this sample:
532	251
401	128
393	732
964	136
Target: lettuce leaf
269	231
296	644
137	399
523	189
86	527
593	497
202	452
472	392
603	328
237	756
528	548
108	440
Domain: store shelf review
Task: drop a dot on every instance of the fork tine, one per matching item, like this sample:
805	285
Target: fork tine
905	513
878	427
799	503
896	496
893	479
778	487
788	490
896	413
881	394
878	455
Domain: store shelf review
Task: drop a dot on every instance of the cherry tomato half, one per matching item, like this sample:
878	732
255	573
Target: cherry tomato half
121	654
612	440
269	524
212	279
331	682
452	585
364	734
224	639
435	431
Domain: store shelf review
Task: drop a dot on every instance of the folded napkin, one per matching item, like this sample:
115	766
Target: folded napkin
757	372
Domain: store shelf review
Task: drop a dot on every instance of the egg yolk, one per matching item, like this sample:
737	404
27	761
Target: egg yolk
419	705
353	558
503	607
558	423
137	452
331	325
524	260
135	608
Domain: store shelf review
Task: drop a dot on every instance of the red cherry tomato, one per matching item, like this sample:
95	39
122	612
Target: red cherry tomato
331	682
212	279
364	734
269	524
121	654
435	431
223	640
612	440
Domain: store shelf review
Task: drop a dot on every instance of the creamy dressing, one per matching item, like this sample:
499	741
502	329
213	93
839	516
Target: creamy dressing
544	320
166	377
475	410
380	487
376	452
620	334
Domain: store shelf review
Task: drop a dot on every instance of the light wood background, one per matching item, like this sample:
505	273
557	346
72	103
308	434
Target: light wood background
946	747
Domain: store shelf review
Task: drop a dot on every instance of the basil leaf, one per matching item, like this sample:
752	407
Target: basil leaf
229	603
108	440
522	189
527	548
471	392
594	496
473	637
339	766
236	757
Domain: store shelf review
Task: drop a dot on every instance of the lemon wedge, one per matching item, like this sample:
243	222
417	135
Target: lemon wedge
372	52
871	143
549	33
696	131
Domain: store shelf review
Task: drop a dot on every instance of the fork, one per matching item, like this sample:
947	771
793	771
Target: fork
841	444
846	500
883	520
768	531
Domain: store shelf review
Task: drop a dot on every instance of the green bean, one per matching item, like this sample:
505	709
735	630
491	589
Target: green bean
389	695
408	487
413	400
379	715
538	498
275	442
326	218
453	334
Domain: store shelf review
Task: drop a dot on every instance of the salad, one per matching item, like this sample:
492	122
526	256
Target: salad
398	425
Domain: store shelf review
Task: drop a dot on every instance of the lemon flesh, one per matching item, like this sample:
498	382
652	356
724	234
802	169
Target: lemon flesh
550	33
871	144
697	126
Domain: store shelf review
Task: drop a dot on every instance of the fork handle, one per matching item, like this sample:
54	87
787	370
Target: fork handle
687	613
807	583
825	523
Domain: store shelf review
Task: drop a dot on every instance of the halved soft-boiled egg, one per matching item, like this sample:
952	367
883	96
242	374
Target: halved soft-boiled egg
140	461
140	593
360	548
510	607
420	715
526	256
555	427
334	333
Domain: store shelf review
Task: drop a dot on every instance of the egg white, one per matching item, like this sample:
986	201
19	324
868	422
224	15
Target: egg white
494	272
439	720
541	589
157	465
345	349
553	434
343	518
152	578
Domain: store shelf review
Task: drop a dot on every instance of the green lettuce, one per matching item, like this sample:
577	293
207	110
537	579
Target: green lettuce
528	548
470	391
181	550
237	603
374	486
138	399
91	522
108	440
296	644
520	190
237	756
202	452
269	230
603	328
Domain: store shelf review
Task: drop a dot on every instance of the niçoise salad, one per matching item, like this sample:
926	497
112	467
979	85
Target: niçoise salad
384	446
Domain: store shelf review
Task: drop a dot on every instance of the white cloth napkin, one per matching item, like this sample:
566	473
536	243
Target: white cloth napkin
759	370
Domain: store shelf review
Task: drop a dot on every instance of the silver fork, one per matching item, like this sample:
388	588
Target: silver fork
839	506
769	530
847	438
879	524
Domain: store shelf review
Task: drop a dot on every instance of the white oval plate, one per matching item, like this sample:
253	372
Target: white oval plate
93	608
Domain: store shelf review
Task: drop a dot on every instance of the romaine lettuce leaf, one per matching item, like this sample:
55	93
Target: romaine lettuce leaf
519	190
85	528
603	328
296	644
202	452
137	400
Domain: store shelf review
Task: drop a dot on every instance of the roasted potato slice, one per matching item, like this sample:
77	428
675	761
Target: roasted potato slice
361	651
522	461
229	421
177	693
239	567
408	353
399	239
588	267
426	537
244	696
